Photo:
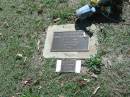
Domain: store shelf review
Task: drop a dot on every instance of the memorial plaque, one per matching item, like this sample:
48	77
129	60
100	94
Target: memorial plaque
70	42
68	66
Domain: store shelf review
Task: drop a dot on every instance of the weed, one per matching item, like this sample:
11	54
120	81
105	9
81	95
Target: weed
94	64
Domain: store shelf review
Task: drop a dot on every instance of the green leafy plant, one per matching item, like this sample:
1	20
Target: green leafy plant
94	63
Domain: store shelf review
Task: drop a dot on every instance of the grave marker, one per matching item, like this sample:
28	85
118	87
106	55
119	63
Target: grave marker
71	41
68	65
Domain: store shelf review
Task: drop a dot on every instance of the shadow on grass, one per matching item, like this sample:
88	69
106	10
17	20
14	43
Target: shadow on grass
99	17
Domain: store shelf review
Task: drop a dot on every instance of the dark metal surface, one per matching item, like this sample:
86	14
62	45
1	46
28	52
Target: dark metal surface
68	65
70	42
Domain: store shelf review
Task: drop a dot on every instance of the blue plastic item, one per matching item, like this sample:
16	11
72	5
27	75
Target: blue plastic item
85	11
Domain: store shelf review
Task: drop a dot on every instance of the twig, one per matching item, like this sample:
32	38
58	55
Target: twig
38	44
95	91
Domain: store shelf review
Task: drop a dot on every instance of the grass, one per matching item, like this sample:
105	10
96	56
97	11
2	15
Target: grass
25	73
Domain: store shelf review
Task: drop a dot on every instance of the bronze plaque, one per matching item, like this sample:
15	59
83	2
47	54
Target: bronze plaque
70	42
68	65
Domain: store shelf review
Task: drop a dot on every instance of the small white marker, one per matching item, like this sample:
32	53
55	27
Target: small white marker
58	65
78	66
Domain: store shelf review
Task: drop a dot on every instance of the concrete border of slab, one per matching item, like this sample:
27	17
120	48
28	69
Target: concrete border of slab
78	55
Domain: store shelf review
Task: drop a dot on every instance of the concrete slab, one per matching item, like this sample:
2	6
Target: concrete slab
78	55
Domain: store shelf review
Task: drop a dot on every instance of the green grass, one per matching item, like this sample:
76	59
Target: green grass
23	22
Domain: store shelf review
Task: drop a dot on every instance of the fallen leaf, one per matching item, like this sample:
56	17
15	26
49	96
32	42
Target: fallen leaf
87	80
27	82
94	76
19	55
56	20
